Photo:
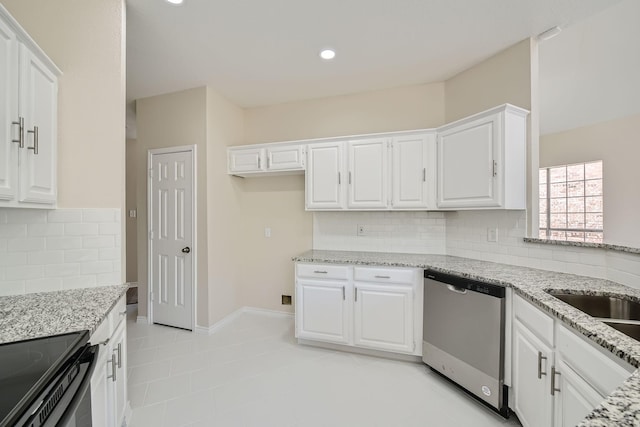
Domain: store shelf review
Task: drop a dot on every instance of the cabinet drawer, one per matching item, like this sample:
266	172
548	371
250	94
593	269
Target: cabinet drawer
117	313
323	271
534	319
590	362
384	275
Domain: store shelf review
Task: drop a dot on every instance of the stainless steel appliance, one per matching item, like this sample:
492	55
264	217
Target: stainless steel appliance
464	334
46	381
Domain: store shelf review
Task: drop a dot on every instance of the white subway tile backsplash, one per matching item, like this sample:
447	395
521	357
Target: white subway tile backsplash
64	216
53	243
98	242
37	230
47	284
81	255
26	244
81	229
44	250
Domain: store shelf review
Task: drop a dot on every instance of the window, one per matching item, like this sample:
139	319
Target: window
571	202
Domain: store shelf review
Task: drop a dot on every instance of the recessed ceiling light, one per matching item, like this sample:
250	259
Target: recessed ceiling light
327	54
175	1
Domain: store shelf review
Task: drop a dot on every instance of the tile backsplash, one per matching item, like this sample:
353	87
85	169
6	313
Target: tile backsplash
47	250
465	234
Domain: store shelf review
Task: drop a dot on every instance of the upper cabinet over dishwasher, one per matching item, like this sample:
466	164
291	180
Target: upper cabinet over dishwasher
474	163
28	119
481	160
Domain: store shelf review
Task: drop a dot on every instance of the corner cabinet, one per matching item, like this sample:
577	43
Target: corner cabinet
375	308
109	398
481	161
28	119
558	376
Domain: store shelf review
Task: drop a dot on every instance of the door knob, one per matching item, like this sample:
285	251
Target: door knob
186	250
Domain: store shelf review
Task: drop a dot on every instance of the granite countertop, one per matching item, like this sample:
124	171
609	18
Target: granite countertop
622	407
51	313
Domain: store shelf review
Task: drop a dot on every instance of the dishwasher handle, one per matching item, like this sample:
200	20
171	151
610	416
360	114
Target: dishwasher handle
457	290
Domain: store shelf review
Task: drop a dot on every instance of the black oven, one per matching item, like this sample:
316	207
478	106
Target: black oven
47	381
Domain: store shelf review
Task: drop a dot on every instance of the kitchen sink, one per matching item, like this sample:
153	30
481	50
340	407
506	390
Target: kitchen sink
630	329
601	306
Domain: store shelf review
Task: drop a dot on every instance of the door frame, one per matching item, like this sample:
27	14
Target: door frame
194	218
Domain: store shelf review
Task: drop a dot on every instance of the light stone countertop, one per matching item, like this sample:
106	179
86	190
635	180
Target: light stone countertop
622	407
51	313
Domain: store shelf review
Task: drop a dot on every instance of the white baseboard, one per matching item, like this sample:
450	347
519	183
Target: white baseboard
142	319
210	330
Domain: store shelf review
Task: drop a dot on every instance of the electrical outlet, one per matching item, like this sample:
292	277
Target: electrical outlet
286	299
267	232
492	234
362	230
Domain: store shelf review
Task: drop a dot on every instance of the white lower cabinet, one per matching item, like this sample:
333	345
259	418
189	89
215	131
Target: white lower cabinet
377	308
109	398
383	317
558	375
322	311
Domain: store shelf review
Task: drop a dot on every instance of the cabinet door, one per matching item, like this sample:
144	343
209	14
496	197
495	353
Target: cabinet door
8	113
285	158
38	105
574	397
322	312
531	370
324	180
119	349
467	164
413	171
101	390
246	160
368	174
383	317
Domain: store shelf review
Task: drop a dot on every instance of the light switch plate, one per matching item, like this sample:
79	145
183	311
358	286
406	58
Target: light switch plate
492	234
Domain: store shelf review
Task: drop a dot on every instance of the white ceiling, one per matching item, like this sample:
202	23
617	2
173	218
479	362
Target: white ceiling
258	52
590	72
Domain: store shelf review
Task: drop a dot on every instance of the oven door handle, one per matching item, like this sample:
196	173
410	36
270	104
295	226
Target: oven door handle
82	389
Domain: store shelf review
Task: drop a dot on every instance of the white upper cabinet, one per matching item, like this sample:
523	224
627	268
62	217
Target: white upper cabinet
28	119
266	159
38	102
413	171
8	112
325	183
368	174
481	161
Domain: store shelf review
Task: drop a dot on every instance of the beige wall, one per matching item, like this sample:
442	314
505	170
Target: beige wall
86	40
131	224
617	144
163	121
226	247
402	108
510	76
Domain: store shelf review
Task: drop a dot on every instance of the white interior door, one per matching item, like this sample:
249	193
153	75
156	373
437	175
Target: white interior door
171	238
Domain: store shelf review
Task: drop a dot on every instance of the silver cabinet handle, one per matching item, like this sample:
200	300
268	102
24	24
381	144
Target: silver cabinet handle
343	294
113	368
35	140
319	271
339	180
119	350
540	359
258	162
20	124
123	313
424	174
356	294
382	277
349	177
105	342
495	168
268	161
553	380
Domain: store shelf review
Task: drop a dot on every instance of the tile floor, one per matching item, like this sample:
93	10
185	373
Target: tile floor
252	373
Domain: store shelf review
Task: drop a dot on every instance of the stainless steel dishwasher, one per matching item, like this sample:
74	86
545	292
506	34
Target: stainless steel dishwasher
464	334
